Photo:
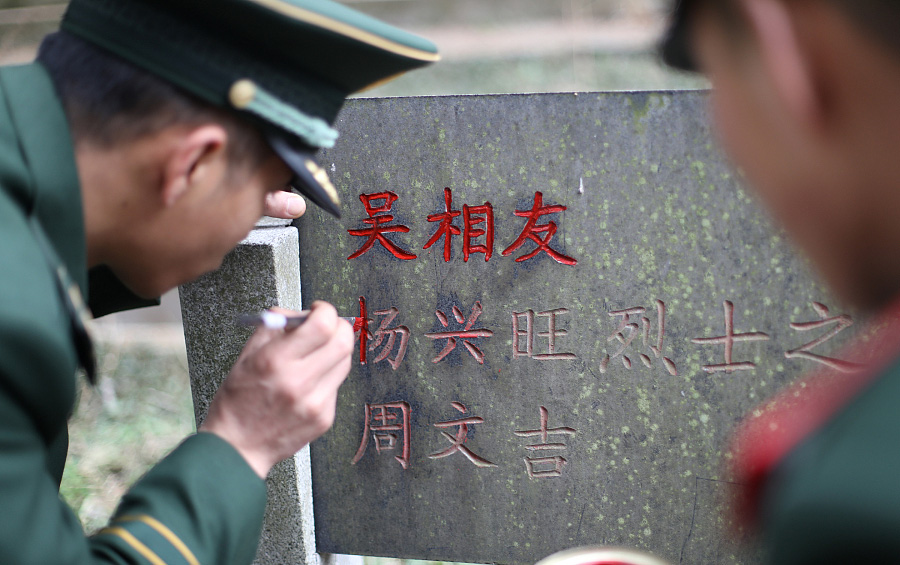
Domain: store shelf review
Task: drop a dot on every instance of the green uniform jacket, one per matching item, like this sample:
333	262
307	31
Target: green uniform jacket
835	499
203	503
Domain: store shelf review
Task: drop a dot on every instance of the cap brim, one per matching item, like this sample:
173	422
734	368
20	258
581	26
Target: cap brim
310	179
675	48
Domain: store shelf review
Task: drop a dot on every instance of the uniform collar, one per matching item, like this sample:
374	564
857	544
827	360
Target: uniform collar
46	145
774	429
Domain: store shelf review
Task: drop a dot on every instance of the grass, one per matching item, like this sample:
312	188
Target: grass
140	410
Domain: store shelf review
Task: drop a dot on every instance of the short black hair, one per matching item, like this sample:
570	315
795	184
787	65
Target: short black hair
675	48
880	17
108	101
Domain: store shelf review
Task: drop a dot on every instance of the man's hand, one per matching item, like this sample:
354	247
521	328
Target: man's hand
281	393
287	205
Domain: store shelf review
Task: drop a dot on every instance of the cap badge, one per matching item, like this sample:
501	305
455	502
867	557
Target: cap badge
322	178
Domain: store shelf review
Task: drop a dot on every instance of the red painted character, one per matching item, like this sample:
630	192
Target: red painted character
478	221
532	230
377	206
361	329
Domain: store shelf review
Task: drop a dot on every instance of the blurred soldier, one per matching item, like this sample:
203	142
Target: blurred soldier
806	96
144	143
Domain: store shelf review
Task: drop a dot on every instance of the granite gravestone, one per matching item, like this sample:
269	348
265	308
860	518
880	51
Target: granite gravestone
566	302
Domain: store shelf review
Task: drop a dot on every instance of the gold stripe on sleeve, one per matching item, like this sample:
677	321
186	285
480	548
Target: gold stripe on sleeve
165	532
135	543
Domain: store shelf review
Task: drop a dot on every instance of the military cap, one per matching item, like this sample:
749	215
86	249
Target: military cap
287	65
675	47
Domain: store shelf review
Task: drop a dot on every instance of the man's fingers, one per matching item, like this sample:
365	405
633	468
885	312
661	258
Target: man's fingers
321	325
330	364
318	401
285	205
258	340
263	335
318	343
282	393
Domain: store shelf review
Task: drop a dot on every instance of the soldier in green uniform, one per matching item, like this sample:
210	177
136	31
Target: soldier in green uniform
806	96
143	144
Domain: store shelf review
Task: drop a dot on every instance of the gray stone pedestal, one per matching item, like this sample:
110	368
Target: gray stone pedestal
263	271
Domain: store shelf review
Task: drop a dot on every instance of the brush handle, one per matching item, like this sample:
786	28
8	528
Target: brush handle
276	321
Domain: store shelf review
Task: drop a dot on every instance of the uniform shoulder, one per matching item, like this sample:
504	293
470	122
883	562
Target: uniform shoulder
36	351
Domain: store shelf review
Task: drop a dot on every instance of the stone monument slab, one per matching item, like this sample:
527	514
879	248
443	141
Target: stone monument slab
567	303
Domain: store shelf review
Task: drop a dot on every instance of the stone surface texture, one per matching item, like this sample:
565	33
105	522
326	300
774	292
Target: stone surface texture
270	222
653	216
261	272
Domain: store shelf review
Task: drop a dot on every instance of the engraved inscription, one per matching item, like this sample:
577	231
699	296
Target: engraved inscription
473	217
466	334
478	222
386	337
457	441
533	229
628	329
445	229
378	205
728	340
392	335
361	330
527	318
546	466
841	323
388	426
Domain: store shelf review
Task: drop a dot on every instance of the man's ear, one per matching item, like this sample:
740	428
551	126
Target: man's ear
785	58
196	155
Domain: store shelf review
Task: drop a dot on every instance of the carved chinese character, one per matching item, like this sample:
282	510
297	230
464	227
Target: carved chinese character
446	229
457	441
474	216
841	322
629	329
377	206
728	340
532	230
369	341
466	334
557	461
478	221
388	426
361	330
528	334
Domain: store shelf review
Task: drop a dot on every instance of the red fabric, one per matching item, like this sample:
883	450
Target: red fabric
776	427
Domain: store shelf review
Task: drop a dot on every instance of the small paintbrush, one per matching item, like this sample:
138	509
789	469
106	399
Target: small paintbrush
275	321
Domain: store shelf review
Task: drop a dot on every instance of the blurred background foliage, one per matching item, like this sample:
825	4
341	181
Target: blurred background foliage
141	407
